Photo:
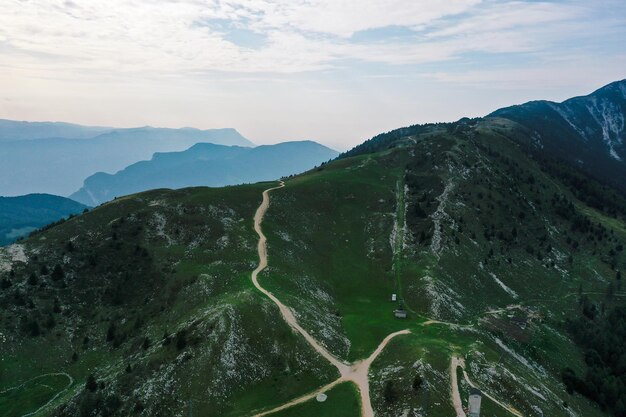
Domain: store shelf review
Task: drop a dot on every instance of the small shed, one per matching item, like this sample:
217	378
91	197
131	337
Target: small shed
400	313
474	402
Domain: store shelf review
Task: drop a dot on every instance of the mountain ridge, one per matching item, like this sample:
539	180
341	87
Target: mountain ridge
11	130
26	130
205	164
587	131
24	214
58	165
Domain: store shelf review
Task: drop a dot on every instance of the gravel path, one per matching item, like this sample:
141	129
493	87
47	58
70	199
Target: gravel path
356	372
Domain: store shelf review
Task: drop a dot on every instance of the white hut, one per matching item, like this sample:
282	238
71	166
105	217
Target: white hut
474	402
400	313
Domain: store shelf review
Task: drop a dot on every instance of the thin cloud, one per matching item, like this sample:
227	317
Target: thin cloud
293	36
249	63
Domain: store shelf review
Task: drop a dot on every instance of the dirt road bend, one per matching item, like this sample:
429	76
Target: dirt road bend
455	396
284	310
356	372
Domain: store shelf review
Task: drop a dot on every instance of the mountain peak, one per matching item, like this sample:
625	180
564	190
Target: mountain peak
619	85
589	131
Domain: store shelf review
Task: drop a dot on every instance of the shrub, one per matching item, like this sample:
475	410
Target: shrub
389	392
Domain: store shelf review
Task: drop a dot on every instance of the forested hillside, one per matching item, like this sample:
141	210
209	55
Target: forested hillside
21	215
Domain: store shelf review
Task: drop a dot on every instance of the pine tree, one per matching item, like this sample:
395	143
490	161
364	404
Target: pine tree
57	273
111	332
389	392
417	382
91	384
181	340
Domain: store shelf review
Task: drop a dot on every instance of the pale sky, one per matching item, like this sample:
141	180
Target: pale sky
334	71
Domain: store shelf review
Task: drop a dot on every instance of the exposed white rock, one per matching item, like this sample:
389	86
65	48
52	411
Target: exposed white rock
443	299
567	115
535	368
611	122
438	216
503	286
11	254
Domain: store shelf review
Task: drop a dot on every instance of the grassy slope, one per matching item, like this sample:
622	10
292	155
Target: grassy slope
334	223
335	258
342	401
162	262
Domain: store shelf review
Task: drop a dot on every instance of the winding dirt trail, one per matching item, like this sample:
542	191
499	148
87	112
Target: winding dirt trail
507	407
455	362
284	310
51	400
302	399
456	397
356	372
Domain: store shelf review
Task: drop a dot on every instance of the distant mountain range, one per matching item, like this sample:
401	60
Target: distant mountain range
588	132
55	158
205	164
58	165
21	215
11	130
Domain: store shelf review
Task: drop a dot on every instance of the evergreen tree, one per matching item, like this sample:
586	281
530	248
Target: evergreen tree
111	332
91	384
389	392
417	382
57	273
